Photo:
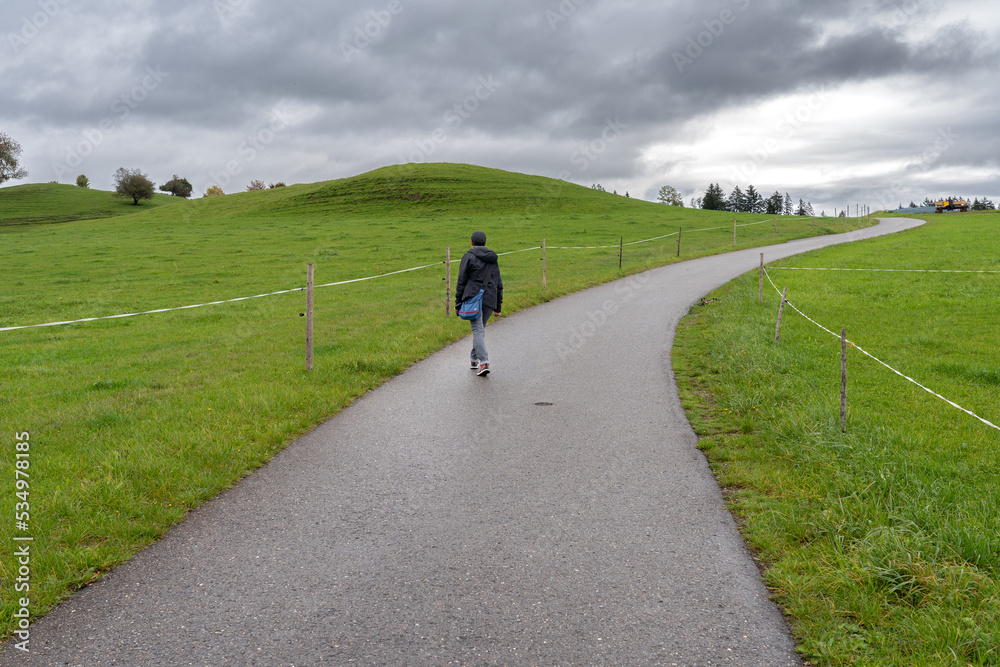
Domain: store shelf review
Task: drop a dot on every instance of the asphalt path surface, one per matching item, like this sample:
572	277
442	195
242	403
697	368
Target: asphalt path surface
556	512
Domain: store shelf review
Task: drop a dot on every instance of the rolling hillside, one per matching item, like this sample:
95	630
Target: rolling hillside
51	202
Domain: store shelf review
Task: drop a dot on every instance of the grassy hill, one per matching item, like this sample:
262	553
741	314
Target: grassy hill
134	421
51	202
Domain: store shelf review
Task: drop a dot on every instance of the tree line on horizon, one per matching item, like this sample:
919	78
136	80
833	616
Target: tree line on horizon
739	201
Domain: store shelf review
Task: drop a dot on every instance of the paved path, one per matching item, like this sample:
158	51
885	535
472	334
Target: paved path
446	519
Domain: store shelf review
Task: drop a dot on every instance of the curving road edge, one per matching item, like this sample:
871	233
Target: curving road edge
554	513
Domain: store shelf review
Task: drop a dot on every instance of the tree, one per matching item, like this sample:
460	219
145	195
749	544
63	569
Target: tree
10	153
754	202
670	196
775	204
281	184
214	191
82	181
802	208
737	200
256	185
788	204
714	199
133	183
178	187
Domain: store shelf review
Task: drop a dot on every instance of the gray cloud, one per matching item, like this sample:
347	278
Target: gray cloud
516	85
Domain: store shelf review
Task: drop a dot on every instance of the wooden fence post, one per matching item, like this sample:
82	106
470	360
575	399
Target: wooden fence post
734	232
447	282
679	231
544	277
843	380
781	310
760	292
621	248
309	318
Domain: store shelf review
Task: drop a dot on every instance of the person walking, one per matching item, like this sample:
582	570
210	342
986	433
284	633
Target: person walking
480	270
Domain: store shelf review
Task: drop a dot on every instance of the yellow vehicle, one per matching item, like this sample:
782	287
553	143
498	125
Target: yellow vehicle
951	205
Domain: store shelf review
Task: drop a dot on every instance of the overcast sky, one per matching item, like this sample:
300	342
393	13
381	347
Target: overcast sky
836	102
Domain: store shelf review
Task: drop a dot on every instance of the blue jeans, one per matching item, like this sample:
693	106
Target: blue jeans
479	337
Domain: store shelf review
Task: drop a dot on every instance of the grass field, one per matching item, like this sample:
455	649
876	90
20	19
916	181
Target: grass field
883	543
132	422
52	203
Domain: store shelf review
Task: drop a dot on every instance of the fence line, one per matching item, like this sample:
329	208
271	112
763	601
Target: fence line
342	282
804	268
657	238
874	358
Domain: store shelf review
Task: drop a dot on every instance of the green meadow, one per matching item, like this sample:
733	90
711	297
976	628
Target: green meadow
881	543
132	422
51	203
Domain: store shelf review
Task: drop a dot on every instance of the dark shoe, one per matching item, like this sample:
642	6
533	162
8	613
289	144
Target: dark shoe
475	365
484	369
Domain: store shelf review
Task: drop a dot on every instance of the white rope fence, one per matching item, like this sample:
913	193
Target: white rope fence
803	268
657	238
874	358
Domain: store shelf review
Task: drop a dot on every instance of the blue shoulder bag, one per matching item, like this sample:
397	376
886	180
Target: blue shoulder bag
472	308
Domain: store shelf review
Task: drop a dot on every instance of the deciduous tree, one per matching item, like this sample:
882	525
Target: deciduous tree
670	196
178	187
132	183
82	181
10	156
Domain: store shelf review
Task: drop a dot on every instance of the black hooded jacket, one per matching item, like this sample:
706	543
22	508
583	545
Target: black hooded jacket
479	270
